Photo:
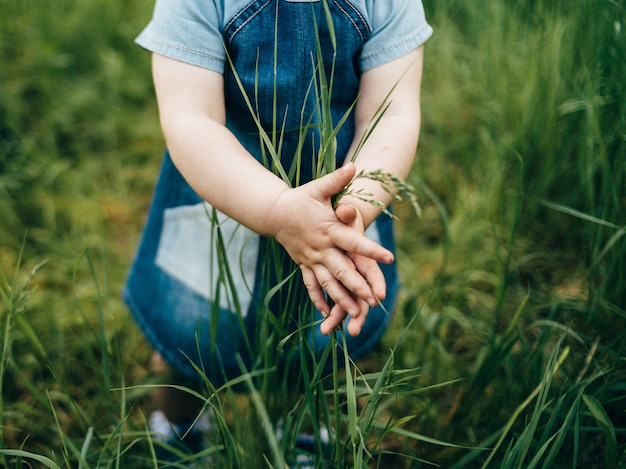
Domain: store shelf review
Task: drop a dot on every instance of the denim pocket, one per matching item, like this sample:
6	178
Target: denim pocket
188	251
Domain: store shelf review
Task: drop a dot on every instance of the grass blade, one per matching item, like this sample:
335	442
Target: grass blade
36	457
353	427
540	387
608	430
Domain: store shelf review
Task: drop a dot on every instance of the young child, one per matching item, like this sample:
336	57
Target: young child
212	61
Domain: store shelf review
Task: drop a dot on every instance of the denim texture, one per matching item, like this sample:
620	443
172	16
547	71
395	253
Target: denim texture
191	30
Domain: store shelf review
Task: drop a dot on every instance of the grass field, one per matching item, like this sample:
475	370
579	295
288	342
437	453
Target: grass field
508	344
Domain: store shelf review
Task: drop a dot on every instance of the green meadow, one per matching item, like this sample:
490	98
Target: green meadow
507	348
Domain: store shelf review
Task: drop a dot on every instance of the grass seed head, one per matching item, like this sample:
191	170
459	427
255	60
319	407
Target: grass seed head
400	191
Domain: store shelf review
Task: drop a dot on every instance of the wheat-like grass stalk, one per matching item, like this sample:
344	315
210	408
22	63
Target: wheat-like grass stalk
400	191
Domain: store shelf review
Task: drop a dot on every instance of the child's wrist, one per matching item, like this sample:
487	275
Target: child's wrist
276	214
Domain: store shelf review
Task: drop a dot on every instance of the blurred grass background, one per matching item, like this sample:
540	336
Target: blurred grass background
520	254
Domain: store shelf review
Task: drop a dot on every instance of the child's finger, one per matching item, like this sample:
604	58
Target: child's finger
356	324
347	213
339	288
337	316
339	277
370	270
333	321
350	240
314	289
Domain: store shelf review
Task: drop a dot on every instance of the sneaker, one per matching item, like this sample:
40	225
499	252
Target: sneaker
306	454
177	441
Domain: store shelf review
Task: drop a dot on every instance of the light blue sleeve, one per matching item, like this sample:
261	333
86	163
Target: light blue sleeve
398	27
187	30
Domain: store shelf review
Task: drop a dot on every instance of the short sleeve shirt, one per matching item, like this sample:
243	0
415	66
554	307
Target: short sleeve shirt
191	30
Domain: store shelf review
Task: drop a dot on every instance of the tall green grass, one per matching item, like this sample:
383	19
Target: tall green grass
523	152
511	324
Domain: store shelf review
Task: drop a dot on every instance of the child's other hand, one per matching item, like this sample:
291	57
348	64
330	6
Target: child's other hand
333	254
369	269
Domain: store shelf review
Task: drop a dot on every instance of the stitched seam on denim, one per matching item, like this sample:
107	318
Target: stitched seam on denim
242	25
183	48
358	13
239	13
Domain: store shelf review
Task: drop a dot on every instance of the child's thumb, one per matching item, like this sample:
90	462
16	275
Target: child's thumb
334	182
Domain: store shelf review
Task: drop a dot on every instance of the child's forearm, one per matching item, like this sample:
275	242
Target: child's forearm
223	173
208	155
392	144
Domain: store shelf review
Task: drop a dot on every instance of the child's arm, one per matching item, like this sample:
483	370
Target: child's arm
221	171
391	147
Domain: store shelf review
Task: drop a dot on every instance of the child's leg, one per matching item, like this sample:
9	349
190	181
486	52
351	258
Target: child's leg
178	406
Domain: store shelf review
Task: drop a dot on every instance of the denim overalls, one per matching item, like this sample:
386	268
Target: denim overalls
175	286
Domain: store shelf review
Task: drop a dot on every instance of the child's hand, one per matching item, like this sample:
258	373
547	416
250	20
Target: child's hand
369	269
331	249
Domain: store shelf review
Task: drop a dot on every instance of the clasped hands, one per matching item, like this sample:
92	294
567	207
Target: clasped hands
331	250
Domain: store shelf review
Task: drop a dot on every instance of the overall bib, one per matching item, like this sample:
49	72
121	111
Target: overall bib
175	288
